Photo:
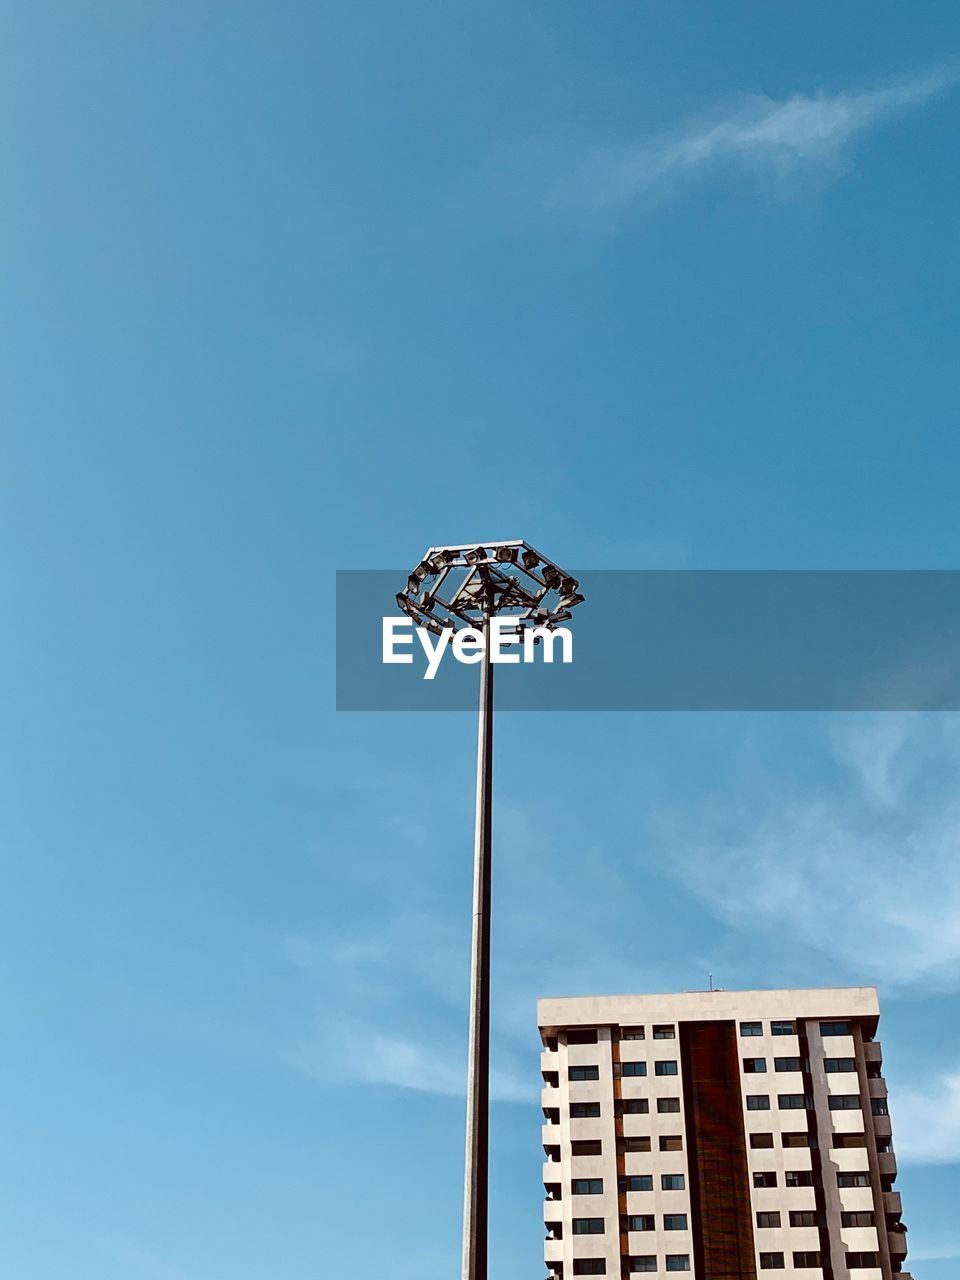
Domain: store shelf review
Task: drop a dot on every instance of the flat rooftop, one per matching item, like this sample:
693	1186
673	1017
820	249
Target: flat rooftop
706	1006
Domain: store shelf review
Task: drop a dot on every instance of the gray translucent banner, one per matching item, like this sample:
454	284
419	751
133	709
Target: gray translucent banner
691	640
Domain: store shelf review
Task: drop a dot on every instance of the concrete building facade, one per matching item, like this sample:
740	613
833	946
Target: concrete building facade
724	1134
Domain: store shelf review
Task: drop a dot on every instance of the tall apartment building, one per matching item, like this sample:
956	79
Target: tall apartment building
720	1133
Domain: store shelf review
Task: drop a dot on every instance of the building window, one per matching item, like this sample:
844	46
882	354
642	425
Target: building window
672	1182
760	1141
799	1140
665	1067
633	1068
771	1262
758	1102
588	1226
807	1258
636	1182
834	1065
632	1033
754	1066
834	1028
583	1073
879	1106
787	1064
768	1219
783	1029
580	1035
668	1106
884	1146
857	1218
590	1147
589	1266
794	1102
844	1102
632	1107
587	1187
751	1028
803	1218
853	1180
640	1222
671	1143
584	1110
645	1262
850	1140
674	1222
860	1261
798	1178
633	1144
664	1033
764	1179
678	1262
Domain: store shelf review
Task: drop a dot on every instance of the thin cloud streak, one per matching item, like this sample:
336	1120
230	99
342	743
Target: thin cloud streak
768	137
927	1123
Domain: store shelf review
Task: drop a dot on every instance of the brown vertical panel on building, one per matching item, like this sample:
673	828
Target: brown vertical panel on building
722	1217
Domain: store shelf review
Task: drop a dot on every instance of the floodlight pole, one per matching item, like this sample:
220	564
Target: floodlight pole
476	1182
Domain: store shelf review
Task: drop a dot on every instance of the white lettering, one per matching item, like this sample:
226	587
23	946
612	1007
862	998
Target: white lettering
433	651
503	632
391	639
468	645
547	639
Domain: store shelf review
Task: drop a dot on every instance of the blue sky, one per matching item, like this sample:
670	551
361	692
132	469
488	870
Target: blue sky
294	287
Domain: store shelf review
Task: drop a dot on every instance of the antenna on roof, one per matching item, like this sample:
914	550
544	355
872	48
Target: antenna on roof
711	981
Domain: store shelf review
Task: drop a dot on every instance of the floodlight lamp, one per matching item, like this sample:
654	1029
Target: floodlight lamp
552	575
568	586
568	602
475	555
413	584
507	555
530	559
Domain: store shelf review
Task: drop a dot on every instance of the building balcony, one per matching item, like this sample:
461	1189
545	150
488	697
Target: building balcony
892	1202
872	1052
897	1240
882	1127
888	1164
877	1087
550	1060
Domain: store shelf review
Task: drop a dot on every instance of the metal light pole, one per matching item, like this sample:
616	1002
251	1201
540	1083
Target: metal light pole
455	588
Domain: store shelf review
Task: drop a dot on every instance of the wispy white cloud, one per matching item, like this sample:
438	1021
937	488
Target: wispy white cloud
866	868
766	136
928	1123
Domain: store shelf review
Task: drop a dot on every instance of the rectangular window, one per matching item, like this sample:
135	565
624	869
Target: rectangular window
589	1266
667	1067
783	1028
860	1261
879	1106
832	1066
760	1141
672	1182
592	1147
636	1182
798	1178
809	1258
587	1186
583	1073
751	1029
798	1140
771	1262
768	1219
645	1262
632	1033
674	1222
754	1066
844	1102
584	1110
588	1226
764	1179
787	1064
580	1035
678	1262
633	1068
803	1218
671	1143
857	1218
853	1180
640	1222
794	1101
664	1033
633	1144
668	1106
884	1146
758	1102
850	1140
633	1107
834	1028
